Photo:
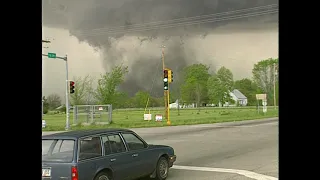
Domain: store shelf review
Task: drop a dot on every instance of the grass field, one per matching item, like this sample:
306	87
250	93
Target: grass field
134	118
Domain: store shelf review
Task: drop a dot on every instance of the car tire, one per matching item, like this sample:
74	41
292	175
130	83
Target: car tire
162	170
103	176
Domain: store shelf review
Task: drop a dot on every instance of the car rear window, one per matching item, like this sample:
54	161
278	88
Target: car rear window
57	150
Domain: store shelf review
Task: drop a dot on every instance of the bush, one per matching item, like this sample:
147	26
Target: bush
45	110
224	113
63	109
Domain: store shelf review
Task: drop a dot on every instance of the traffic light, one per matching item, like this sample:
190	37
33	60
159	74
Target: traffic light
170	76
165	79
71	87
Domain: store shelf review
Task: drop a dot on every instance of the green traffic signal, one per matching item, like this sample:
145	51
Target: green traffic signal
165	84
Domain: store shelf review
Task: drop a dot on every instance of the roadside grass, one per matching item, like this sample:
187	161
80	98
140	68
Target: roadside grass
134	118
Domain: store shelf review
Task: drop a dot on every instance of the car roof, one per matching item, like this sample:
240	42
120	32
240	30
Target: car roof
82	133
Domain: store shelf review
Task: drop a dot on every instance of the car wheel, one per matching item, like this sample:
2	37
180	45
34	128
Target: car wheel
162	169
102	176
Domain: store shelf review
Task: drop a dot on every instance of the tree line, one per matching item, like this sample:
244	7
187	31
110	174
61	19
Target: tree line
197	85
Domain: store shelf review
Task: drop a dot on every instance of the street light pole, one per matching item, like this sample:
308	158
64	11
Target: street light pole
274	86
53	55
67	94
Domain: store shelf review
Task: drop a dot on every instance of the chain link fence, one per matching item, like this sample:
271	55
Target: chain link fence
90	114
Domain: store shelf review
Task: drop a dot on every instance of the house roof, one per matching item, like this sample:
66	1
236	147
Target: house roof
238	94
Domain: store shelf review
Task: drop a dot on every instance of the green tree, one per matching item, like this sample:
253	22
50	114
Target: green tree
249	89
106	92
220	85
45	105
194	88
120	100
83	91
264	74
141	99
156	102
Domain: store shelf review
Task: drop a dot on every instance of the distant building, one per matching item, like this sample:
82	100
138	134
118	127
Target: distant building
239	98
236	95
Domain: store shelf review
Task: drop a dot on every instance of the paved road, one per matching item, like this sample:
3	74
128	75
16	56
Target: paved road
229	151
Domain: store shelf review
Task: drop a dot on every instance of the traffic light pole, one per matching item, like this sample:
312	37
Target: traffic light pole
165	93
168	106
67	92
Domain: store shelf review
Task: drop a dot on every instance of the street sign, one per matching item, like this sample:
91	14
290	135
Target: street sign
52	55
261	96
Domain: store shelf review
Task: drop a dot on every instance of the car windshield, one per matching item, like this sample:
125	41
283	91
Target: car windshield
57	150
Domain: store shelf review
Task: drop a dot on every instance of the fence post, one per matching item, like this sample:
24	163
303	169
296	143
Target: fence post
110	113
91	110
75	113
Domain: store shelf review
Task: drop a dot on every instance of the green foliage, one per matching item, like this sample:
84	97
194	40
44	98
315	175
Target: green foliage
121	100
45	110
83	90
263	75
220	85
248	88
52	101
63	109
141	99
194	88
125	118
195	85
106	91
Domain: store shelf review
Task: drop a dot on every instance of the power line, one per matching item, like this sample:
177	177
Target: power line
182	24
182	19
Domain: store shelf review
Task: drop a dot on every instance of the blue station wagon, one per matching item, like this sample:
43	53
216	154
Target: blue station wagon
106	154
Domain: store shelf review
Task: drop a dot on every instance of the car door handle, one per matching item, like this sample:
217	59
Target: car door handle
112	160
135	155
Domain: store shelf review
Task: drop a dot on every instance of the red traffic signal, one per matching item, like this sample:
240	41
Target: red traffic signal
165	73
71	87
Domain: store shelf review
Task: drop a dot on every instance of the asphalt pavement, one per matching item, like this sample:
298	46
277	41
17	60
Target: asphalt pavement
244	150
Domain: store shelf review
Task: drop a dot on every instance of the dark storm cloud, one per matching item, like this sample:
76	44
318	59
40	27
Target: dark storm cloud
83	17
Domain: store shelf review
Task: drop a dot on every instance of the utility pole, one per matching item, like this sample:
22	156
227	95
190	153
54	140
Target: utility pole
274	84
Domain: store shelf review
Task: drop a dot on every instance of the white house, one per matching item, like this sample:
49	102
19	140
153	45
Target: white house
237	96
175	105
